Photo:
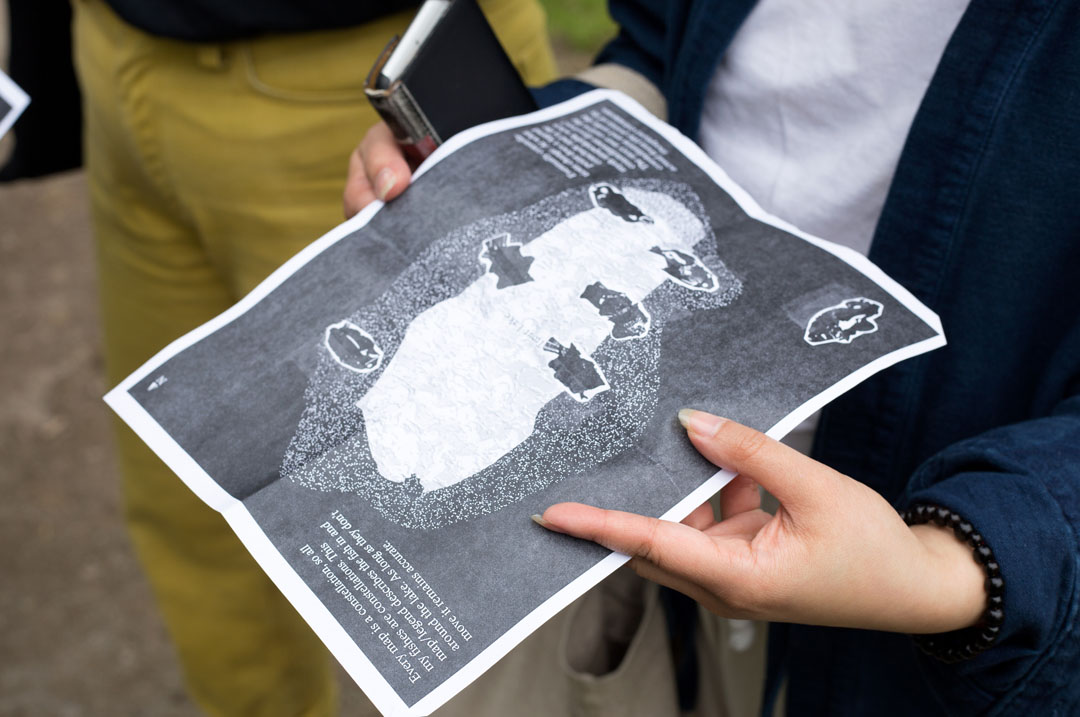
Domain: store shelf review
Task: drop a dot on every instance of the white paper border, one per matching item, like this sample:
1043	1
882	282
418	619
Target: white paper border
14	96
289	582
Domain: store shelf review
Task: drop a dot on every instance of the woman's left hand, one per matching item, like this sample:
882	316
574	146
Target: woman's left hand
835	553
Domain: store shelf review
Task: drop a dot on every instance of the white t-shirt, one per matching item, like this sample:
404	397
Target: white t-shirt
810	107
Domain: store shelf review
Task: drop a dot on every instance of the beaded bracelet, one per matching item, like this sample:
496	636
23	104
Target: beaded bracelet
967	642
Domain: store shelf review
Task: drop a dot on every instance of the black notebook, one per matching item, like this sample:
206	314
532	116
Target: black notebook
447	73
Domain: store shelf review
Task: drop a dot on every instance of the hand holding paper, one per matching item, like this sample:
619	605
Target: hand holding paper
377	170
584	258
835	553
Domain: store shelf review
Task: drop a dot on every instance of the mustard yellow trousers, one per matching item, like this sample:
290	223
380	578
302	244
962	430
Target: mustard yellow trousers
208	166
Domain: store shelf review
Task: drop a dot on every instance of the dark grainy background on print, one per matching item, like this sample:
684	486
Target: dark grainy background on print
233	400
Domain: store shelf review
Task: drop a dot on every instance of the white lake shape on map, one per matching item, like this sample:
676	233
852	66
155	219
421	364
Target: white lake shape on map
471	373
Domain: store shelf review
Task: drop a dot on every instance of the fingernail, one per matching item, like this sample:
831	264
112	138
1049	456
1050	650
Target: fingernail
700	422
384	182
539	520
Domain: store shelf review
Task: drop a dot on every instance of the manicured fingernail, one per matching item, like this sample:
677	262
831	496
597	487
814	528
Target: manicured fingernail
699	422
384	182
539	520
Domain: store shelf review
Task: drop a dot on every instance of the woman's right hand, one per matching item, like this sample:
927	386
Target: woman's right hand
377	170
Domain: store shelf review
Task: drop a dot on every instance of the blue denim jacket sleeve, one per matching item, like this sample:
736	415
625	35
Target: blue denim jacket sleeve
643	32
559	91
1019	485
675	44
983	224
638	45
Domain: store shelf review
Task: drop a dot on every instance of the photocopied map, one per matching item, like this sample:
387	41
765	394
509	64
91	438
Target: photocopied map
380	417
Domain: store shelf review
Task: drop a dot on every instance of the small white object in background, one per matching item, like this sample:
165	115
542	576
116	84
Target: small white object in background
741	637
13	100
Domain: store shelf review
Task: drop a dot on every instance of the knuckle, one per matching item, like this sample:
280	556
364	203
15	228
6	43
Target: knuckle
605	526
746	444
649	548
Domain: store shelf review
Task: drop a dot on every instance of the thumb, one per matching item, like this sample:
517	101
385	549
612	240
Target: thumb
796	480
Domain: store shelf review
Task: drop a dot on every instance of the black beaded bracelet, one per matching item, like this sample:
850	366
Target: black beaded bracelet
970	641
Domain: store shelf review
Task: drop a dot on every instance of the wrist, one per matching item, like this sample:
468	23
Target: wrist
956	583
966	642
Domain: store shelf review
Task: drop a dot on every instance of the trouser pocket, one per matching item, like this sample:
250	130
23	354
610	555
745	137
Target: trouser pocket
615	653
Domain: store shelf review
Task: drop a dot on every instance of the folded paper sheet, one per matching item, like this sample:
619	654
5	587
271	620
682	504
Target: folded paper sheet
379	418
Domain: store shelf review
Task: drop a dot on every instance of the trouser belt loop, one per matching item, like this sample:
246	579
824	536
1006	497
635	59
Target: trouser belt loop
210	57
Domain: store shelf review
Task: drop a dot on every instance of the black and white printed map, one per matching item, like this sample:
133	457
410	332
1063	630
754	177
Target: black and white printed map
380	417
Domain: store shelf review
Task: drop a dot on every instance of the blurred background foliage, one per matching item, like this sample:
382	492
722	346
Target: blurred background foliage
580	25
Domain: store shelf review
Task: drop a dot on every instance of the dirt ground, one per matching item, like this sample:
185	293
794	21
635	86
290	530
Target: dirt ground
79	634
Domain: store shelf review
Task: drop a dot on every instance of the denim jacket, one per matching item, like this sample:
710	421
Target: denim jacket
982	223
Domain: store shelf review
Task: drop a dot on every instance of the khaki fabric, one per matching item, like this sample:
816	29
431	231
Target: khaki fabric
620	77
731	654
608	655
208	166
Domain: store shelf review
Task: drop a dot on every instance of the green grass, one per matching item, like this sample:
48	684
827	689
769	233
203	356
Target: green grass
583	24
